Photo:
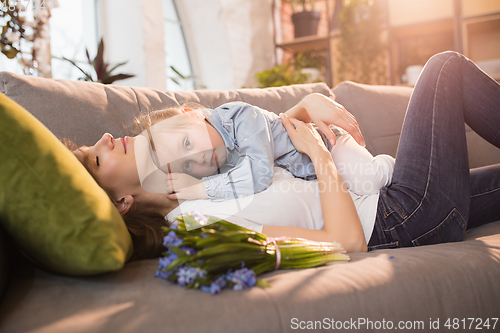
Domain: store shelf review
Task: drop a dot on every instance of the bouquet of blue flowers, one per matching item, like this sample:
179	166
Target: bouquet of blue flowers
221	255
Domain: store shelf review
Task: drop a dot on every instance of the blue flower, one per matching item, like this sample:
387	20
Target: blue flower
213	289
242	278
174	225
172	239
216	286
221	281
163	274
200	218
164	262
188	250
187	275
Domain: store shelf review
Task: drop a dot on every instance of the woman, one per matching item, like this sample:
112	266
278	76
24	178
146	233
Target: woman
433	196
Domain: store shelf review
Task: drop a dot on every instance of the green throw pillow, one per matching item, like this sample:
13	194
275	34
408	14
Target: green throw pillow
50	205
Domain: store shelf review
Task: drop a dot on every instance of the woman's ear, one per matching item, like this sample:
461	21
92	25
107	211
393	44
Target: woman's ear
124	204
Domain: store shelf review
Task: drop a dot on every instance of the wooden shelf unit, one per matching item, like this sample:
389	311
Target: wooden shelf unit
481	42
317	43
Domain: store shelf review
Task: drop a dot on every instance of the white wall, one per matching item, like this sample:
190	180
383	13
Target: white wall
133	32
403	12
228	40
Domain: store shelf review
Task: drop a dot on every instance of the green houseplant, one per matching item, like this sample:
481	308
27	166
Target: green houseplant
304	5
292	72
305	19
103	74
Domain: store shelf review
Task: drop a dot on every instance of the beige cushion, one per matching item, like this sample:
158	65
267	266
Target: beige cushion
380	112
83	111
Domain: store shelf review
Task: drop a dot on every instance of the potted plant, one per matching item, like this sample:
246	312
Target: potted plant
305	19
103	74
305	67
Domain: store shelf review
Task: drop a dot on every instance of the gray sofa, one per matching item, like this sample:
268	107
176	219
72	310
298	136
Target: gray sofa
414	287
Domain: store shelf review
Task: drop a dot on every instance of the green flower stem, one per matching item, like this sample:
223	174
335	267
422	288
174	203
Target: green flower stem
222	246
227	248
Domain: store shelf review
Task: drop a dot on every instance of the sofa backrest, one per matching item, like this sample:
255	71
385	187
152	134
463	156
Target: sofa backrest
84	111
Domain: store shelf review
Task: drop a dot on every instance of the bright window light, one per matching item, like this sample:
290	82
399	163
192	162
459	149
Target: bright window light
177	55
73	27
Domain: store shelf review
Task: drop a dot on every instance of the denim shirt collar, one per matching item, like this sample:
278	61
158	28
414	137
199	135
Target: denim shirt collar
217	123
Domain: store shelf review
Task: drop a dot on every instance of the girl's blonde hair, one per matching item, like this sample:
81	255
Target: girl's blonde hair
146	121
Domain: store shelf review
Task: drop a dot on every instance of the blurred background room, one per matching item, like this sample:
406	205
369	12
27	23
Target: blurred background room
232	44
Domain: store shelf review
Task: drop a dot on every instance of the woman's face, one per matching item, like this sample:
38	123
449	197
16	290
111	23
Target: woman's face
112	163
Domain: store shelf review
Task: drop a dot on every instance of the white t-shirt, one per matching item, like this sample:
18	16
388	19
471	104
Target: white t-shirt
294	202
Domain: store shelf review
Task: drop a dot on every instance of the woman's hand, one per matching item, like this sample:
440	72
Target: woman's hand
341	220
324	111
185	187
303	135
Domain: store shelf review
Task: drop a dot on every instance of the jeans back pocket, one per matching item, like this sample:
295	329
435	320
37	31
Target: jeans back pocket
451	229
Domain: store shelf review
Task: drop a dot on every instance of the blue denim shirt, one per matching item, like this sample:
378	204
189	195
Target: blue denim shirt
255	141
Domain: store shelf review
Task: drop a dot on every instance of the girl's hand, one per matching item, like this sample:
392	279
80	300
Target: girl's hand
303	135
324	111
185	187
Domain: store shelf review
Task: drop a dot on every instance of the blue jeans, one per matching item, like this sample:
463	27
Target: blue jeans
434	196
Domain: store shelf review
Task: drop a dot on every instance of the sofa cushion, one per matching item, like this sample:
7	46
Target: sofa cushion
452	280
379	117
83	111
50	205
380	112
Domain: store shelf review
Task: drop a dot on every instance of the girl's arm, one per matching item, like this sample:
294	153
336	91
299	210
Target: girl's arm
324	111
341	221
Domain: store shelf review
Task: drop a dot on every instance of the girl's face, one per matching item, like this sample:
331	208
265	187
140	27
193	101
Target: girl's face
112	163
197	149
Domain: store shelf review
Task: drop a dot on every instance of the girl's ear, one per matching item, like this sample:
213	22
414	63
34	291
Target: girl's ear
124	204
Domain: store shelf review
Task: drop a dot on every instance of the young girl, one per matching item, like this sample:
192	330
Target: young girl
189	148
230	152
433	197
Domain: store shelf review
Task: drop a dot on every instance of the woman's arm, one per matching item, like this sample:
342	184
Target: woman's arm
324	111
362	173
341	221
